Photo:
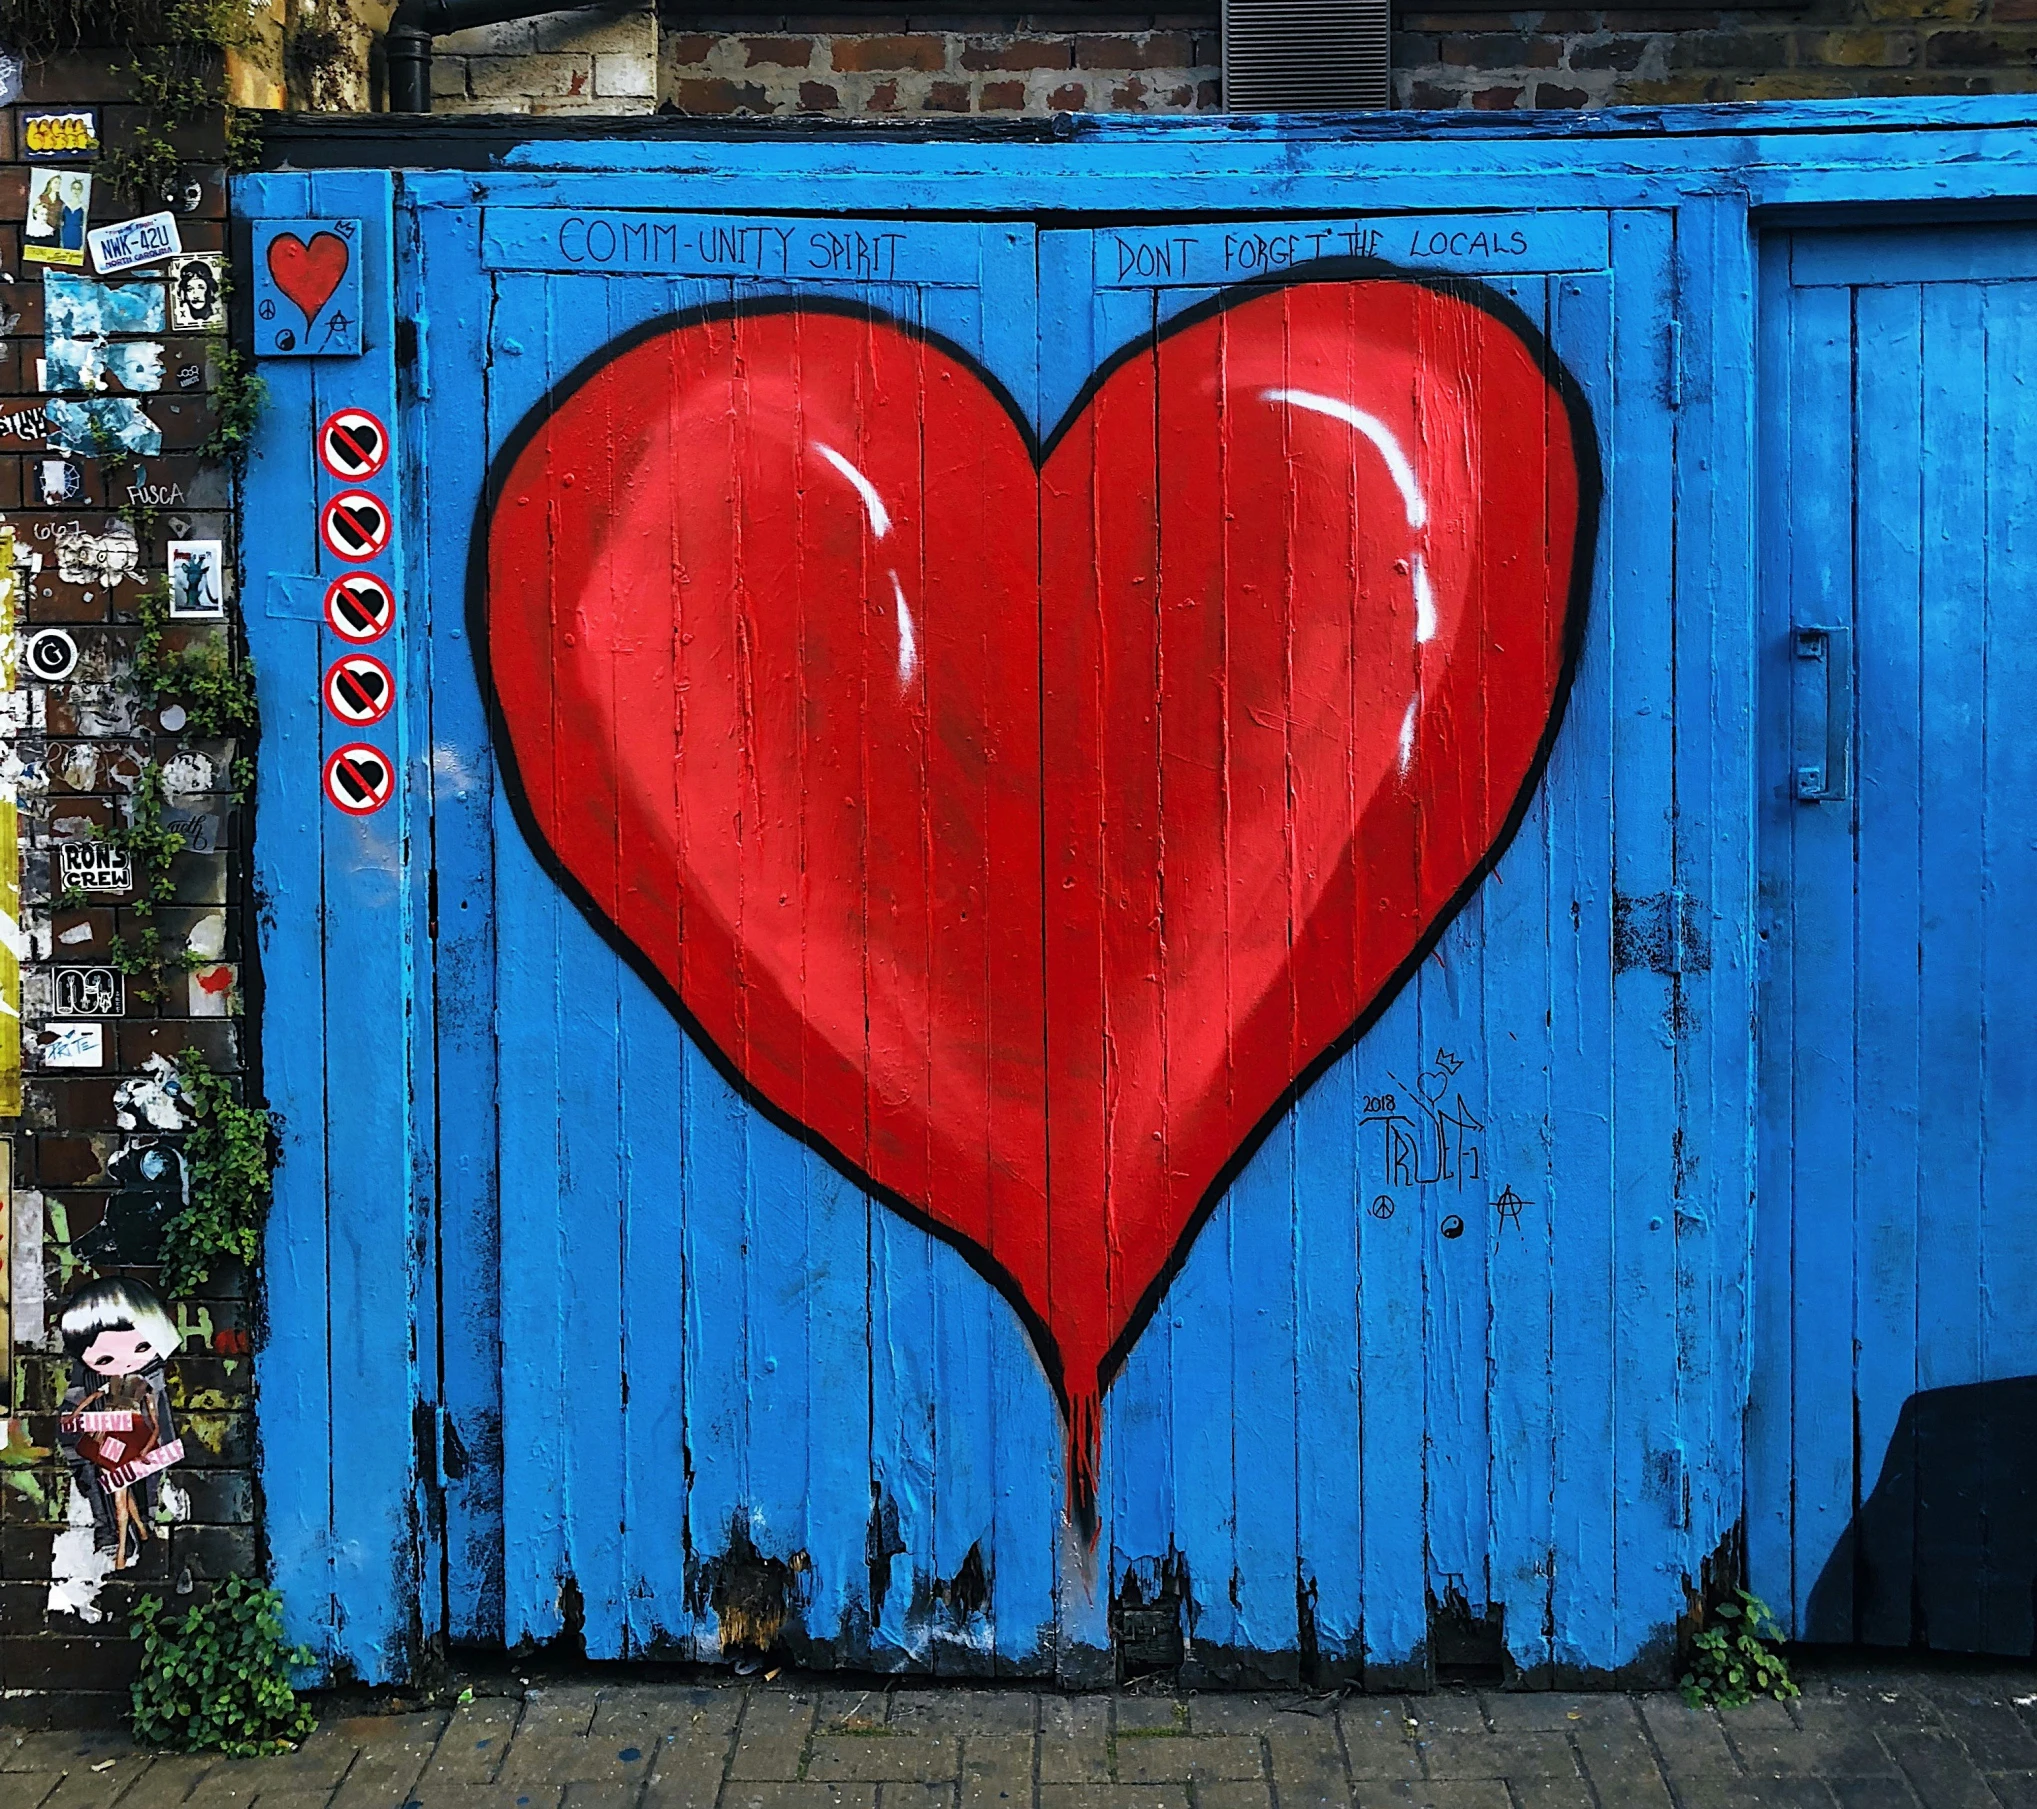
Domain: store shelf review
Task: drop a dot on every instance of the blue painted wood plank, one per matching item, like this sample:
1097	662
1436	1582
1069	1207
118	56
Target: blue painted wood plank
1771	1549
1514	1057
1648	1464
368	961
1955	496
2008	996
1581	1009
1715	511
468	1245
531	916
1890	601
292	1370
1821	594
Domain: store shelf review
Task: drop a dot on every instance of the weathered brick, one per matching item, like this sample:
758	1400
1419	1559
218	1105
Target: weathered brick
685	47
497	77
905	50
1001	97
1731	50
1019	53
818	97
1856	49
1609	53
1140	50
1486	50
883	98
948	97
1070	97
717	94
778	53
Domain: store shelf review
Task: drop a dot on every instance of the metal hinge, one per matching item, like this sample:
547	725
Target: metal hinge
1675	350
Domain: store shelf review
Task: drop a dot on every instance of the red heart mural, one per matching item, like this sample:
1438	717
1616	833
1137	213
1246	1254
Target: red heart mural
1028	827
308	274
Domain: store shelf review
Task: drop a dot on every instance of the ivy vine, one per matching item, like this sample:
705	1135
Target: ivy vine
217	1677
229	1161
216	689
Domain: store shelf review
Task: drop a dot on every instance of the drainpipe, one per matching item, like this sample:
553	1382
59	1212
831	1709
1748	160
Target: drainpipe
407	45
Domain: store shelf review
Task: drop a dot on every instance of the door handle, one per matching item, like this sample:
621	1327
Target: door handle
1830	780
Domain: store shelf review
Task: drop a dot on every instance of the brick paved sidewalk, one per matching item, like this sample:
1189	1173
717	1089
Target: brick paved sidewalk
1867	1739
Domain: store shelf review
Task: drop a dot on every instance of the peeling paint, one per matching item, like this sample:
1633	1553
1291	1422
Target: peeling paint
752	1596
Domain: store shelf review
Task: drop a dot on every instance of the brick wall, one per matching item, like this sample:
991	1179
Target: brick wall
92	1177
1830	49
782	64
559	63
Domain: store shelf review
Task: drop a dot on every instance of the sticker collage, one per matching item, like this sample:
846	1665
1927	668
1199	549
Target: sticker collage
113	485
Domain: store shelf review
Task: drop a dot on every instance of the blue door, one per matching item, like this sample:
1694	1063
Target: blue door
1425	1373
1892	1482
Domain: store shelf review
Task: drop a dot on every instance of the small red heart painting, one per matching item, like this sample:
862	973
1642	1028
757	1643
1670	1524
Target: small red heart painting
308	273
1027	823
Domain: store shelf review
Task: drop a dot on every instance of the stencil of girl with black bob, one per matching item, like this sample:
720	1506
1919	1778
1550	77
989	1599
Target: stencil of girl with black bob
115	1423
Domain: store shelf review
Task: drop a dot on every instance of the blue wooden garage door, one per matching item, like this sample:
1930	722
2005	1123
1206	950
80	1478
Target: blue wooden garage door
1893	1457
1433	1378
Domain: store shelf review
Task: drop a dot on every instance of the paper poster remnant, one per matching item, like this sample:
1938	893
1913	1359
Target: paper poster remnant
104	427
72	1043
197	580
56	137
24	1247
152	1099
77	307
10	78
115	1423
13	943
59	482
78	1568
197	293
212	990
133	243
135	366
94	867
91	992
58	202
6	1276
98	559
307	290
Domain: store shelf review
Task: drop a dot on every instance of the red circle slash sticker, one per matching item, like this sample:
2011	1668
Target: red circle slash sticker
358	779
359	690
353	444
359	608
355	524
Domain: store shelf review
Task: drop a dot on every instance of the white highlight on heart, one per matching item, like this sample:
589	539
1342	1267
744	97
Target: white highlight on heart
880	518
908	642
1425	604
1375	430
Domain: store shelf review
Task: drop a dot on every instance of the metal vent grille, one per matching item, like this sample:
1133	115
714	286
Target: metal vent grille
1303	56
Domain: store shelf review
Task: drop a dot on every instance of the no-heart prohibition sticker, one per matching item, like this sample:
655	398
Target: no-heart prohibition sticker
358	779
359	689
355	525
359	608
353	444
